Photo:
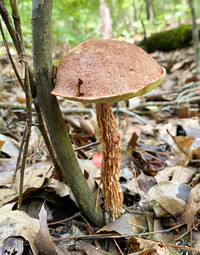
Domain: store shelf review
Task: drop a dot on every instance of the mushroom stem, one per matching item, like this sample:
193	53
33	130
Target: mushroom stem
110	140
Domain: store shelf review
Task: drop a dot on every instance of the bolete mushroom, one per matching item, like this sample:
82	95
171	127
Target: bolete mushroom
101	72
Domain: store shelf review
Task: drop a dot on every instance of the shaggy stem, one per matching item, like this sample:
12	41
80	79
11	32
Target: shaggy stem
110	140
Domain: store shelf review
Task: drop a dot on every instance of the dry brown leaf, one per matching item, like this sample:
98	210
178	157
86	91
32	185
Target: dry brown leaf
193	205
10	147
92	250
175	174
167	237
43	240
184	146
7	167
1	144
196	239
141	185
18	223
86	125
147	247
127	224
196	149
60	188
33	179
172	196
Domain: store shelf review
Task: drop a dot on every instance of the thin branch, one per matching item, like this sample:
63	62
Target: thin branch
104	236
78	214
17	39
8	22
87	146
48	143
19	158
25	77
17	23
10	57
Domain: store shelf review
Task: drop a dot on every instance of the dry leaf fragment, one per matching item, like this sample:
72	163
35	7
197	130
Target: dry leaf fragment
1	144
183	144
10	146
172	196
175	174
86	125
127	224
33	179
147	247
43	240
92	250
18	223
193	205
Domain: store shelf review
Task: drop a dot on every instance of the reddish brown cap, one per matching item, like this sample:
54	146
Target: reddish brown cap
101	71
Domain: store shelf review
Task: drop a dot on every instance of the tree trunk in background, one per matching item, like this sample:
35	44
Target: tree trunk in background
42	54
149	11
105	17
195	37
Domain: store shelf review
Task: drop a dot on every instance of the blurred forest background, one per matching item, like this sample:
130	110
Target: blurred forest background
74	21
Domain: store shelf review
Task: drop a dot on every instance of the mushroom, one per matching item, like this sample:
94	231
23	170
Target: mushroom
101	72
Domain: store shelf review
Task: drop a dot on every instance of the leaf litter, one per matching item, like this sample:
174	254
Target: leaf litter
159	172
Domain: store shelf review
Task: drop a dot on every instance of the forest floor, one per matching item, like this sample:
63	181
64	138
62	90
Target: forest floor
159	172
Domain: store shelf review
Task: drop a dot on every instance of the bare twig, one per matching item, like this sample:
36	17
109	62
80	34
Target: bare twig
17	24
65	220
186	94
19	45
8	22
47	140
87	146
19	157
180	237
10	57
118	247
25	77
104	236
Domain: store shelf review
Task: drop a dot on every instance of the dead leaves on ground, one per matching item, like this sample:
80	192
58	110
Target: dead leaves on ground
159	174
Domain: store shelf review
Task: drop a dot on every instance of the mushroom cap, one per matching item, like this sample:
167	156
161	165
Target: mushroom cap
100	71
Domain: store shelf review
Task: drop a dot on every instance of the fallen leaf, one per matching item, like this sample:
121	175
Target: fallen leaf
86	125
141	185
196	239
167	237
183	144
127	224
147	247
1	144
172	196
175	174
43	240
34	178
10	146
90	249
18	223
193	205
60	188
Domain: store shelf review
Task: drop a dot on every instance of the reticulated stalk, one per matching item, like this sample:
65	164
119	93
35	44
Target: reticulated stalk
110	140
